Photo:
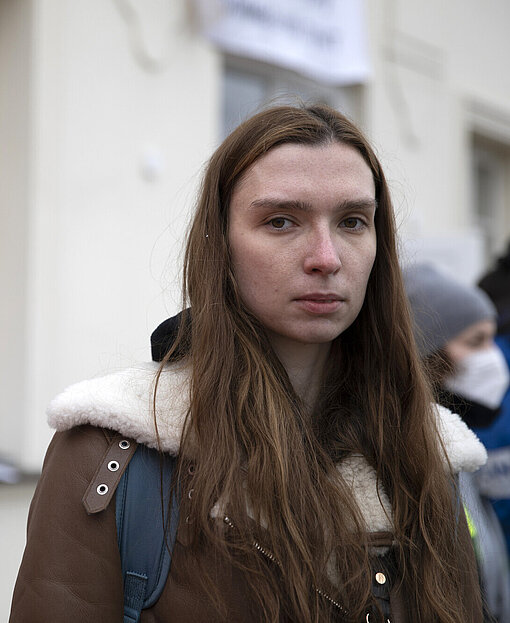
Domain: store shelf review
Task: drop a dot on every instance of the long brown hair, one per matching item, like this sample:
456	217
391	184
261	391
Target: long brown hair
270	464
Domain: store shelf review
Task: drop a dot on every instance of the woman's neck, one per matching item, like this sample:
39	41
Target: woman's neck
304	364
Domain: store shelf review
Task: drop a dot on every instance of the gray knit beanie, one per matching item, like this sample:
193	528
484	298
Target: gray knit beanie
442	307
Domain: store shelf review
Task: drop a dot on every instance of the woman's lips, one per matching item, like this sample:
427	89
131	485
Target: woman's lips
320	303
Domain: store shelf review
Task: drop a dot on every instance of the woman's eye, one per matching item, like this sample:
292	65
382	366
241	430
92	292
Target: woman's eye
352	223
278	222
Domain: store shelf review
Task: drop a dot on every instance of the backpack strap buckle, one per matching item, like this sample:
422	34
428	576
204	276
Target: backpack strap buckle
108	474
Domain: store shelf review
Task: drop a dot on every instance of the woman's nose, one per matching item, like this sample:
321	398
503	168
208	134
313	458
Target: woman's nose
322	254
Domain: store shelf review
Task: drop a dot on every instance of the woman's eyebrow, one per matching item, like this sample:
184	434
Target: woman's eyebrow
359	204
304	206
281	204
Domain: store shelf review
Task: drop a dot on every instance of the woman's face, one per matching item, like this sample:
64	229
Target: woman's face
478	336
303	240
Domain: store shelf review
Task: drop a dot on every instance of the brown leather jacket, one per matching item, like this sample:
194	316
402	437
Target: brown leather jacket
71	570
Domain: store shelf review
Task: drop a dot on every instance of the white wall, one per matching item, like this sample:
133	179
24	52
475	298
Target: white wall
435	63
115	153
15	32
113	113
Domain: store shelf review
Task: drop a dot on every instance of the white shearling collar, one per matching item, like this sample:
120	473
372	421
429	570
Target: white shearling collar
122	401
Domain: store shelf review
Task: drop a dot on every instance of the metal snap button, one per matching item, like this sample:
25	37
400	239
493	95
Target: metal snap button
380	578
124	444
102	489
190	493
191	469
113	466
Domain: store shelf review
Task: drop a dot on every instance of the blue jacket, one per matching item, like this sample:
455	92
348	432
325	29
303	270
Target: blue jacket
494	478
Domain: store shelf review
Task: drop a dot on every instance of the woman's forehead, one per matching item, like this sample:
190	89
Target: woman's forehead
307	172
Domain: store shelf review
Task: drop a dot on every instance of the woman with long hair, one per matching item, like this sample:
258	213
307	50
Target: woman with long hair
316	478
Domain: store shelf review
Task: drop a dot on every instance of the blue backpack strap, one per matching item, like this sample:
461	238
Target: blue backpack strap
146	528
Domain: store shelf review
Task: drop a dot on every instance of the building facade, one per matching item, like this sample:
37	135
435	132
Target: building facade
109	110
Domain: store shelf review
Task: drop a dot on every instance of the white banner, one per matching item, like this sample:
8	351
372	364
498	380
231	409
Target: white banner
322	39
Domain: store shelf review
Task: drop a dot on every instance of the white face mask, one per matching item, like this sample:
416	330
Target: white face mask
482	377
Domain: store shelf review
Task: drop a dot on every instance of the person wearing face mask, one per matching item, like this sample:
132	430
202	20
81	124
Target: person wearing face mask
454	327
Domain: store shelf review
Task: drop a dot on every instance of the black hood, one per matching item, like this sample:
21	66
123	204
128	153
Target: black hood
165	335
